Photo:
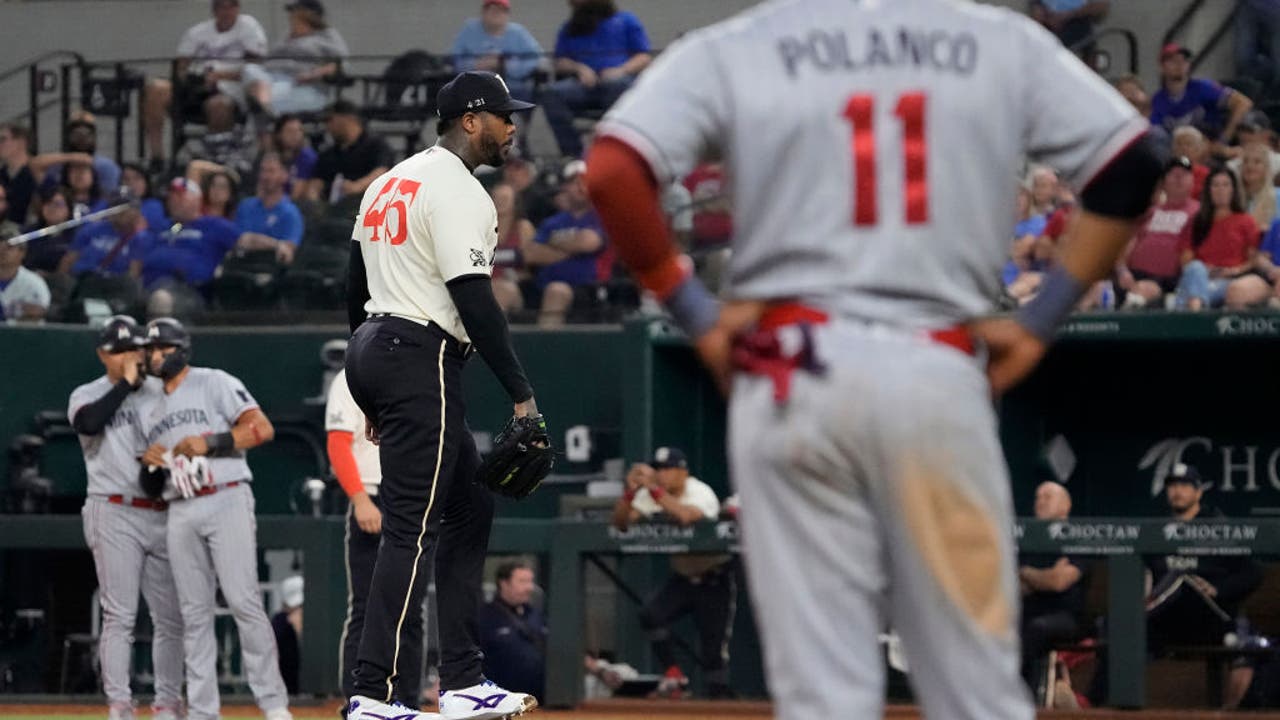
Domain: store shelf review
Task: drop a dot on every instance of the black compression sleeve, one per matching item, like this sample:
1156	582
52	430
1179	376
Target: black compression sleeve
357	287
92	419
487	326
1124	187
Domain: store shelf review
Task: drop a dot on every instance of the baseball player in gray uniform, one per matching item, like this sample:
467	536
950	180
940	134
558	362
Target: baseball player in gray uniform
870	147
198	428
124	528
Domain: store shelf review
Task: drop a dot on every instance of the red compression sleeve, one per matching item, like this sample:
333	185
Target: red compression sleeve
625	194
344	462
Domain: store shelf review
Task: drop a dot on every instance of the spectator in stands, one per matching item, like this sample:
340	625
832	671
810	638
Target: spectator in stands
1220	256
712	218
183	259
44	254
292	80
702	584
602	49
1071	20
513	633
1261	196
492	42
224	143
138	182
8	227
109	248
535	196
210	59
1257	41
567	250
299	158
1184	100
221	193
1268	261
1131	87
1189	142
82	137
16	173
82	184
354	159
23	294
1052	590
270	220
1021	275
1256	128
1154	260
514	231
1042	181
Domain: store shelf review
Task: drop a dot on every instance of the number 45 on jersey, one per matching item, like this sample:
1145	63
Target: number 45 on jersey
389	212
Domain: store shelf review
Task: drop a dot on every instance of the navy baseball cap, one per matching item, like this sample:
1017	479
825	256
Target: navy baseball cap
1184	473
669	457
477	91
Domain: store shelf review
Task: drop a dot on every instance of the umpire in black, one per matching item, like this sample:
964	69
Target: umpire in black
420	301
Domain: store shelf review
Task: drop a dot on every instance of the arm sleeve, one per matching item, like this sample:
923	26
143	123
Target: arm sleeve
187	44
458	53
343	462
357	287
39	292
81	239
1074	121
92	418
326	168
256	42
487	327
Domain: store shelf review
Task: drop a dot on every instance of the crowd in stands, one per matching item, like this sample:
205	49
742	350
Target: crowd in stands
267	157
1212	233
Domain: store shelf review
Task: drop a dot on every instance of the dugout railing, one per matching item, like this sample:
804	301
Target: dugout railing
566	545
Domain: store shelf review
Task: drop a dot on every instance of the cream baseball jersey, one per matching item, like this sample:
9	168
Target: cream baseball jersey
421	224
871	144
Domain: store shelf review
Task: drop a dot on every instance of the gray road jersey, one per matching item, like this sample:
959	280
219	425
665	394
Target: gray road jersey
207	402
872	145
111	457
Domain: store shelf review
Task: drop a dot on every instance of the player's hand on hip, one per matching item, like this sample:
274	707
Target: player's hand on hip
154	456
192	446
715	347
1012	350
371	430
368	516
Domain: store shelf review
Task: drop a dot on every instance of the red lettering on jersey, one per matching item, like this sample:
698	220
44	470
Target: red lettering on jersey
910	109
386	202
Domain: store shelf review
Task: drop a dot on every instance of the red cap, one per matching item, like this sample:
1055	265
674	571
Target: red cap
504	3
1174	49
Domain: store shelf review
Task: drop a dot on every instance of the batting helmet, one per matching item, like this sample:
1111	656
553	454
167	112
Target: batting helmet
167	332
120	333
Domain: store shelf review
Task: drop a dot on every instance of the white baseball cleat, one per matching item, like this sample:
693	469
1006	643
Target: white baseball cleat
279	714
120	711
485	701
363	708
166	713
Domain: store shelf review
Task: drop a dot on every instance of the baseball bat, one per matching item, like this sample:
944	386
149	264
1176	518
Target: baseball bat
72	223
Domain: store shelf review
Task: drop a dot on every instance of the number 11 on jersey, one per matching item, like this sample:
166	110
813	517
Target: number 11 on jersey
860	112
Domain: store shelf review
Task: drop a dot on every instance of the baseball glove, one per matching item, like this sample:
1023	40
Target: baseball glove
521	458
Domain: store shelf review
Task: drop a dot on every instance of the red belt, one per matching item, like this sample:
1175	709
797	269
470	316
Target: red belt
759	351
214	488
138	502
